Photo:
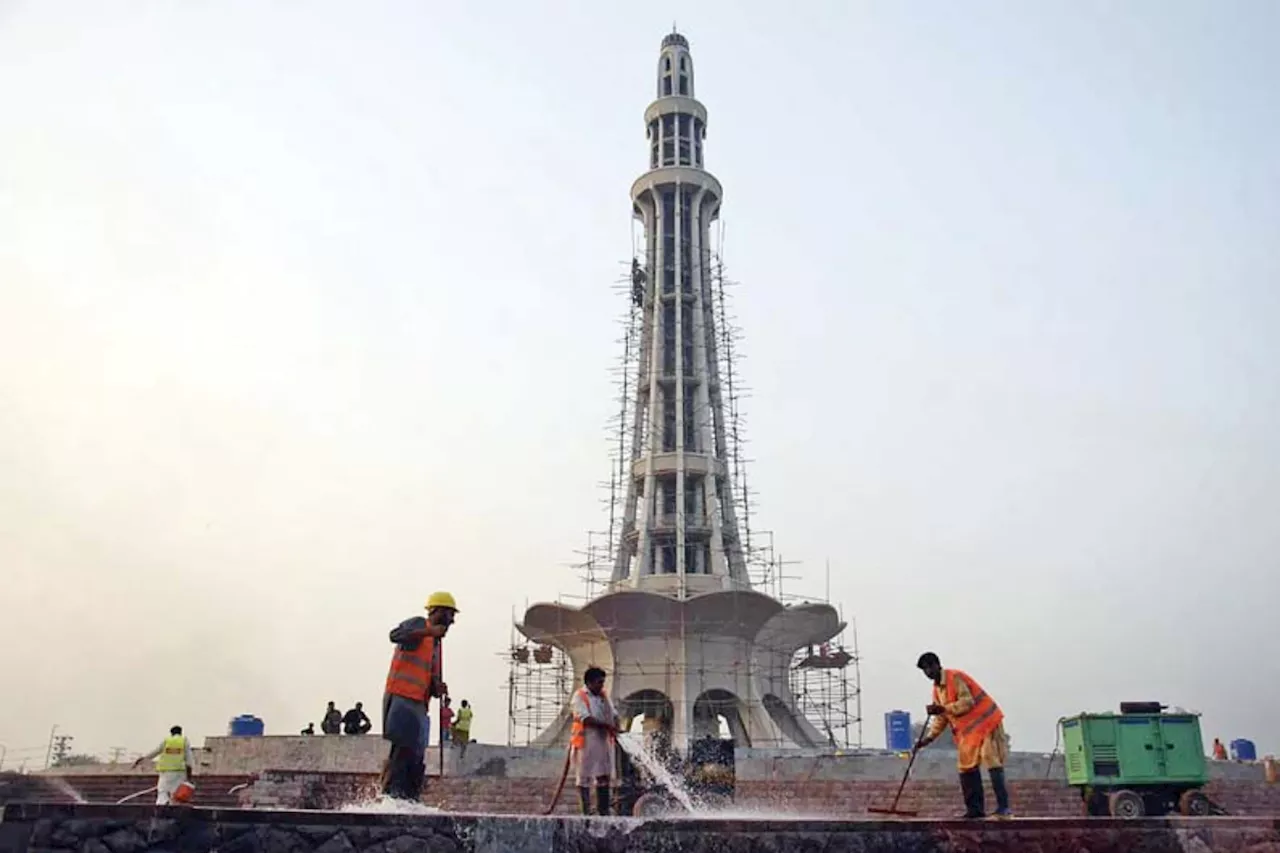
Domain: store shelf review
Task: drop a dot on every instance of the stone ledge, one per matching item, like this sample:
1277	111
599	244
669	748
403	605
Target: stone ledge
30	827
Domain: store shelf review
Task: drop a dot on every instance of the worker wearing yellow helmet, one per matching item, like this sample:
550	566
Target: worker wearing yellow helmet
413	680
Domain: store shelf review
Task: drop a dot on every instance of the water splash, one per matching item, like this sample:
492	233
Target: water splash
61	786
389	805
635	747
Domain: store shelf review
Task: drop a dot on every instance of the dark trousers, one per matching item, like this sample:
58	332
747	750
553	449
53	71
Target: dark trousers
603	796
406	773
404	725
971	789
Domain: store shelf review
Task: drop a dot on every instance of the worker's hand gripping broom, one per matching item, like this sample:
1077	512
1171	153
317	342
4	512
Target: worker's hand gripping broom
893	809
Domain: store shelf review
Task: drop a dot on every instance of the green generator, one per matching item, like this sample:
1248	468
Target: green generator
1141	761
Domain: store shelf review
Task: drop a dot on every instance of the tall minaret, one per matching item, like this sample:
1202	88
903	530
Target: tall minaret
679	534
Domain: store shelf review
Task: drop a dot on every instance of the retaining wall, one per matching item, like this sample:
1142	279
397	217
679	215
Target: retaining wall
125	829
814	797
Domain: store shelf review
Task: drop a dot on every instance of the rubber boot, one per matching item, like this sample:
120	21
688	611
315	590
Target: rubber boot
584	798
417	779
1001	791
602	800
971	788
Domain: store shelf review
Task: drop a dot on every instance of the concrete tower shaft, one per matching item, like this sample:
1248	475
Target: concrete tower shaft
685	640
680	534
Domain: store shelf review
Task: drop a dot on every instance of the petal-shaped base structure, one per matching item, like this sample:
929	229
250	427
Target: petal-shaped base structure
687	663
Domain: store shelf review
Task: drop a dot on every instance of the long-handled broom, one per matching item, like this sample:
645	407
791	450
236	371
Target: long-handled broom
915	750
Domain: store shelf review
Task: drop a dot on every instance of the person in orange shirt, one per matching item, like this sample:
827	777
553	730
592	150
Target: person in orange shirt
977	724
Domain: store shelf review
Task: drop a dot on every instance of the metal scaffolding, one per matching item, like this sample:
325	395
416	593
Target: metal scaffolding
825	680
538	680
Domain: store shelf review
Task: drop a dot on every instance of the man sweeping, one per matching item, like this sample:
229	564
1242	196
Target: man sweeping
414	678
595	723
977	724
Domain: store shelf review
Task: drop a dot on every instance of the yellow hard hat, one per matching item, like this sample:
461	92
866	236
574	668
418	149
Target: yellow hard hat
441	599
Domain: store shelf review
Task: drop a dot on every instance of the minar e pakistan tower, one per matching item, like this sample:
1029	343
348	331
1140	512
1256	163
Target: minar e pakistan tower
684	637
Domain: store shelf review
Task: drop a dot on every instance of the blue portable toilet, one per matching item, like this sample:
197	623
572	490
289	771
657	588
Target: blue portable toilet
246	725
897	731
1243	750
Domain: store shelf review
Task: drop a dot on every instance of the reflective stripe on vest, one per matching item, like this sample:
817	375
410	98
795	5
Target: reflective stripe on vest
173	756
411	671
578	734
982	718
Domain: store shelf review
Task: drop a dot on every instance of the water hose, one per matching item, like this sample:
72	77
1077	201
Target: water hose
555	799
150	790
1057	739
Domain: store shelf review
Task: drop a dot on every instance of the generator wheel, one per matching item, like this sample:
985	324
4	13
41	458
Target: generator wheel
1195	804
652	804
1127	804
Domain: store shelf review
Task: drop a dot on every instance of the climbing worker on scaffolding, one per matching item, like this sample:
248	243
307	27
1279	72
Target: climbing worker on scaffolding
595	724
173	764
414	678
977	724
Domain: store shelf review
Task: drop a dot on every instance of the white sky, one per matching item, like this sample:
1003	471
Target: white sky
306	310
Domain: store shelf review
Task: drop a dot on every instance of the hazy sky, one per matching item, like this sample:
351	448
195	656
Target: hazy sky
306	310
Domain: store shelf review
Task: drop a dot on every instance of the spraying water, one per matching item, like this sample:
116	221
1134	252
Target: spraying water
61	785
389	805
633	745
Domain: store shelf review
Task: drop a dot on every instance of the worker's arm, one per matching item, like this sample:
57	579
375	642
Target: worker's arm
582	713
410	632
188	759
438	688
941	715
963	703
150	755
937	725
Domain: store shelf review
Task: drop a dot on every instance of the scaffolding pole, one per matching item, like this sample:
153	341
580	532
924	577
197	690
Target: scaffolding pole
825	680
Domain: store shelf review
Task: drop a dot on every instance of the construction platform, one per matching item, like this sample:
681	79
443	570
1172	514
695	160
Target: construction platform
32	827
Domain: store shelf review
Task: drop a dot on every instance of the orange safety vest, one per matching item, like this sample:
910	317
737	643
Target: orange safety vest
980	720
411	671
578	734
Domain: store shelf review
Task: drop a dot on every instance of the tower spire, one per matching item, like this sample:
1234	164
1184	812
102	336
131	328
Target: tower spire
680	535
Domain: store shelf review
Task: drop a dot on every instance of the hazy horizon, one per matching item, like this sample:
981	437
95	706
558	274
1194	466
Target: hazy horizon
304	315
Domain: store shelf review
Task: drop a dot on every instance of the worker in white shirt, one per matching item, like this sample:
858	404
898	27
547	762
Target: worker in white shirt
173	764
595	725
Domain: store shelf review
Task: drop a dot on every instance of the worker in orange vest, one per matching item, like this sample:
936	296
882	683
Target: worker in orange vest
595	723
414	678
977	724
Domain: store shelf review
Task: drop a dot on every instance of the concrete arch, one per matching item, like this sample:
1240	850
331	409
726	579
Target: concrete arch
648	703
658	712
713	704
